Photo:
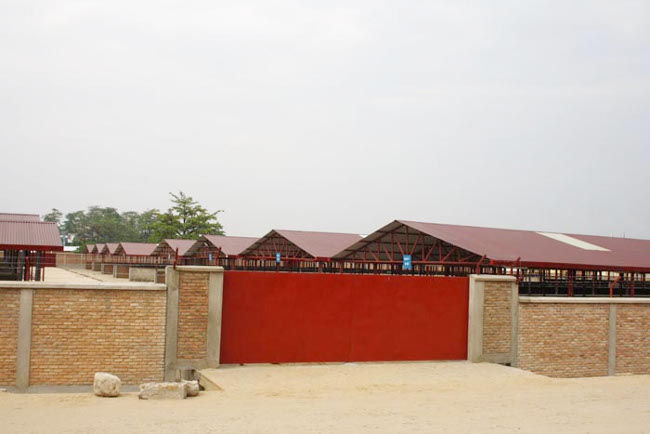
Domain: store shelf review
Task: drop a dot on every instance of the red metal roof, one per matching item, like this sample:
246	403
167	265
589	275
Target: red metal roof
18	217
316	244
536	249
33	235
98	248
109	248
182	245
230	246
135	249
90	248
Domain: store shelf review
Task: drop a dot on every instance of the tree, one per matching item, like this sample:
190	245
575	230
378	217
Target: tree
54	216
146	222
186	219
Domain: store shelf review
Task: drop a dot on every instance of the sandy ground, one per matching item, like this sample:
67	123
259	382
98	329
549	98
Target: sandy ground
376	397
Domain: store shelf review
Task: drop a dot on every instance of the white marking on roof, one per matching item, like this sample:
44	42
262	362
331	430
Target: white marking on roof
573	241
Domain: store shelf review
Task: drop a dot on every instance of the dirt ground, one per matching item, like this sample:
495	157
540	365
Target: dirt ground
378	397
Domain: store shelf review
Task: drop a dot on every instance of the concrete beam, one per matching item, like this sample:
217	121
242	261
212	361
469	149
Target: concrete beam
106	286
585	300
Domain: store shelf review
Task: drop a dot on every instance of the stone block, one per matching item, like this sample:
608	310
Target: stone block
106	384
162	391
191	387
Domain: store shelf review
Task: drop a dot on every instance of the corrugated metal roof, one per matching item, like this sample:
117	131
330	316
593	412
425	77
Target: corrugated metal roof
316	244
29	234
135	249
230	246
90	248
99	247
18	217
531	247
109	248
182	245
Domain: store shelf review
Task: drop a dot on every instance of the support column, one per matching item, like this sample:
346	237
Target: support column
611	357
493	319
213	330
24	339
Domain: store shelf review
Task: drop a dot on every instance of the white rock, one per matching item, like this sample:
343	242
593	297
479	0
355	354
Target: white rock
162	391
106	384
191	387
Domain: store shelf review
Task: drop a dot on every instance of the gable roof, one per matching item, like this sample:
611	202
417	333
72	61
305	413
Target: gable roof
532	248
19	217
135	249
182	245
109	248
98	248
230	246
315	244
34	235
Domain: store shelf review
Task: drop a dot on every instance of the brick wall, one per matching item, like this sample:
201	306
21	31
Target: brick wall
633	339
9	309
563	339
497	317
192	315
77	332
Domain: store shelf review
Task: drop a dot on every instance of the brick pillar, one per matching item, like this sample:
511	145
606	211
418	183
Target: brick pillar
194	300
493	319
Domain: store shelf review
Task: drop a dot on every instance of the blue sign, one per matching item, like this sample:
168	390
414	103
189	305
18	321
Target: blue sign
210	256
406	262
278	257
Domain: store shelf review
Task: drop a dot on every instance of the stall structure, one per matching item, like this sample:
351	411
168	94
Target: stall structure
545	263
27	247
219	250
135	253
291	250
173	251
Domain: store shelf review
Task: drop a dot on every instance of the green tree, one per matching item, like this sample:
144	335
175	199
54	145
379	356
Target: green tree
186	219
55	216
146	223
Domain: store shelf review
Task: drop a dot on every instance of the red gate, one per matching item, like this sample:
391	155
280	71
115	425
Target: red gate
304	317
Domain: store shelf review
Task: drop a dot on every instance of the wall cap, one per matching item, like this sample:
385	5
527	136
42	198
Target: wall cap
91	286
199	268
585	300
493	277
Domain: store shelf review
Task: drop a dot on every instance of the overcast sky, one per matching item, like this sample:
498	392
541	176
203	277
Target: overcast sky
336	115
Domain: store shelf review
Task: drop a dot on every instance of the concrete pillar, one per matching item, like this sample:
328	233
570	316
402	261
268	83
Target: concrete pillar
213	332
476	348
611	357
23	354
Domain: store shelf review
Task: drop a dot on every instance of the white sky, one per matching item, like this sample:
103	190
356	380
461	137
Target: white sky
336	115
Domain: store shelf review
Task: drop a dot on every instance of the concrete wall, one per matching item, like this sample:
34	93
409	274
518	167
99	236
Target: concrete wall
67	332
142	274
580	337
72	260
